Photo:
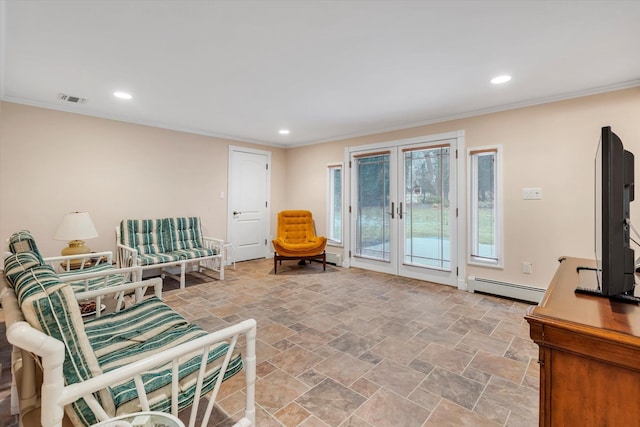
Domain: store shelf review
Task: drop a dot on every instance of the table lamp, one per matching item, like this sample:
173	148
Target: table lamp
76	227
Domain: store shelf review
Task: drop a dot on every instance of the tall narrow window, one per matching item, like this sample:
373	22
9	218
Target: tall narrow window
334	205
485	206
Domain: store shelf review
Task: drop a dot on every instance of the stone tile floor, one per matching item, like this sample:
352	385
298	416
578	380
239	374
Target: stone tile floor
350	347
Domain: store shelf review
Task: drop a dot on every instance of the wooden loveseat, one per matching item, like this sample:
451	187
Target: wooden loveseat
168	242
139	358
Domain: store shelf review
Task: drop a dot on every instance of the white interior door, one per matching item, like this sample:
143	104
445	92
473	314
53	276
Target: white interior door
248	208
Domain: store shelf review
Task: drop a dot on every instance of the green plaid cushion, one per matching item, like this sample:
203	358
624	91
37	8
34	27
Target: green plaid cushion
50	306
186	233
148	236
194	253
145	329
23	241
154	259
16	264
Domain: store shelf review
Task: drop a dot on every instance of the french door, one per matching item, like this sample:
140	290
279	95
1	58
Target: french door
404	208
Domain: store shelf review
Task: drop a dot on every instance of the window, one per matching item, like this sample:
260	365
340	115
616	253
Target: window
485	206
334	205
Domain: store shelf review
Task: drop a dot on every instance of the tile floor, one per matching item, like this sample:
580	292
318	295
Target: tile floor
349	347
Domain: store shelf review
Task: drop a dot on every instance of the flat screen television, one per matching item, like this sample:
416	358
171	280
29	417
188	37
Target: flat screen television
614	192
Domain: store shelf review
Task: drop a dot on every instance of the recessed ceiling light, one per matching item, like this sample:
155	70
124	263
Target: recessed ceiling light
283	131
500	79
122	95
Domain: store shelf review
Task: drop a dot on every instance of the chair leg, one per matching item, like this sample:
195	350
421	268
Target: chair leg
275	264
324	261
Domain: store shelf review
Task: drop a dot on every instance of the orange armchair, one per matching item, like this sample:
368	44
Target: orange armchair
297	240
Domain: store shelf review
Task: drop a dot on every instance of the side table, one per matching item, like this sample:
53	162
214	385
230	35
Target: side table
142	419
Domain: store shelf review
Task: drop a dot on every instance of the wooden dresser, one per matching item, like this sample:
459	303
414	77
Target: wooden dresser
589	355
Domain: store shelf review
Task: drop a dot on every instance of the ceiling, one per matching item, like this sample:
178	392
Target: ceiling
322	69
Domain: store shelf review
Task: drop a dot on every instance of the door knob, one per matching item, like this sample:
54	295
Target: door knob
236	213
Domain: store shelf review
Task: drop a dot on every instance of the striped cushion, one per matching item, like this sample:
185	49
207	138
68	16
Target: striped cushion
18	263
194	253
186	233
145	329
153	259
23	241
49	305
148	236
95	283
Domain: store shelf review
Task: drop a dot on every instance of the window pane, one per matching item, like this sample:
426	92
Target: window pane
372	221
426	231
335	204
483	203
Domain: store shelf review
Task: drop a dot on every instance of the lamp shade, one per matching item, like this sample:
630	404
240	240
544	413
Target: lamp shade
76	226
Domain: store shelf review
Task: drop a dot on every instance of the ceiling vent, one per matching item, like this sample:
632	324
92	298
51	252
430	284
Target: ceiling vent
72	99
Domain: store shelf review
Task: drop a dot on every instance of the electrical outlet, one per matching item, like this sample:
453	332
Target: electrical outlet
532	194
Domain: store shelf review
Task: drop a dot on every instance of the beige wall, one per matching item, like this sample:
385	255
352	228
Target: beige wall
132	170
551	146
53	162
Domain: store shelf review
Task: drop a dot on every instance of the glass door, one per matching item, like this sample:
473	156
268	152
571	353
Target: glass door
426	212
373	227
403	210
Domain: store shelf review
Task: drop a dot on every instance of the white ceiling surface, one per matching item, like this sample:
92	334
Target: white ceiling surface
323	69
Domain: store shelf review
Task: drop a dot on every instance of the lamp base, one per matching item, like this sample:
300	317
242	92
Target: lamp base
76	247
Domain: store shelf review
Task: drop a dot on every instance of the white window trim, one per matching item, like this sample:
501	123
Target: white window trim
472	260
330	167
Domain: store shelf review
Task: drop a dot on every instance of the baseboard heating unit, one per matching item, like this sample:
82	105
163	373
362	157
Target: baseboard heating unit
504	289
334	259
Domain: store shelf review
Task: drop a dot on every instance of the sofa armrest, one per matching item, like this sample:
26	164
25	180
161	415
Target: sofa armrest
133	274
126	255
213	243
139	289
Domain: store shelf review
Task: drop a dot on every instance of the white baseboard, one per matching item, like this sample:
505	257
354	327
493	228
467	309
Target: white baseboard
510	290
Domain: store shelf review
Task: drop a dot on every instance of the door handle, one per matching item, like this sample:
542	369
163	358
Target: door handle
392	213
400	211
236	213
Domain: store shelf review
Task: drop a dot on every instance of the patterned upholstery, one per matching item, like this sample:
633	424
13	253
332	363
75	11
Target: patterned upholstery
50	306
154	259
16	264
148	236
194	253
165	240
185	233
113	340
145	329
23	241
